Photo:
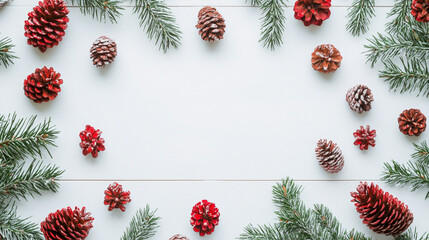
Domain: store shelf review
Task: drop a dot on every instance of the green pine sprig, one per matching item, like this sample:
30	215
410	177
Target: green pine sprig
400	16
6	54
359	15
100	9
255	3
412	235
13	227
273	22
143	225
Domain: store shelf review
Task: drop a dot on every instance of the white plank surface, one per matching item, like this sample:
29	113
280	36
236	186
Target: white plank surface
207	120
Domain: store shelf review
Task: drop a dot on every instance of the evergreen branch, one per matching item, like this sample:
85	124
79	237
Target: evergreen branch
359	14
159	23
273	23
14	228
20	138
411	234
100	9
255	3
422	153
6	55
401	16
265	232
142	226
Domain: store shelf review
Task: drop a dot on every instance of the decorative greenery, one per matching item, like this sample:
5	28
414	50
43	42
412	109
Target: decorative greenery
359	14
413	173
6	55
100	9
142	226
14	228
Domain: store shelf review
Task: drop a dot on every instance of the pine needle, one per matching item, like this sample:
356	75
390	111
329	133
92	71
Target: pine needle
6	55
143	225
100	9
359	14
273	22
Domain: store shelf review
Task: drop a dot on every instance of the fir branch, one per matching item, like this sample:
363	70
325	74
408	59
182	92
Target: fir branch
422	153
21	138
255	3
6	55
411	234
15	228
401	16
142	226
359	14
159	23
273	23
100	9
265	232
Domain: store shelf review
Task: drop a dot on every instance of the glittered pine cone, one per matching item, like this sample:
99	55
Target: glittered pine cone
91	141
420	10
179	237
380	211
43	85
412	122
2	3
329	156
312	11
204	217
46	24
359	98
103	51
67	224
365	137
116	197
211	24
326	58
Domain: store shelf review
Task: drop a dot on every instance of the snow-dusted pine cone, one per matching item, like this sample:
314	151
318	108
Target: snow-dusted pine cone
359	98
326	58
179	237
43	85
330	156
2	3
91	141
312	11
211	24
364	137
205	217
420	10
412	122
103	51
116	197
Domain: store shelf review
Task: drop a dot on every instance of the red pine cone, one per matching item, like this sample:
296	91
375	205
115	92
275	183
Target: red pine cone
420	10
67	224
204	217
365	137
412	122
312	11
179	237
91	141
329	156
42	85
116	197
380	211
46	24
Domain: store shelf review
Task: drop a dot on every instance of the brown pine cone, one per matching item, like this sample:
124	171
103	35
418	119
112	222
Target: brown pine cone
43	85
359	98
412	122
211	24
179	237
326	58
103	51
330	156
420	10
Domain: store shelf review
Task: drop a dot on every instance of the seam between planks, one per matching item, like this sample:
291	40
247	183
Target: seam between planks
214	180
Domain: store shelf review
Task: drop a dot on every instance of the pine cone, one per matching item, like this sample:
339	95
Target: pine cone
364	137
326	58
179	237
116	197
204	217
211	24
42	85
2	3
380	211
359	98
46	24
330	156
91	141
312	11
420	10
103	51
67	224
412	122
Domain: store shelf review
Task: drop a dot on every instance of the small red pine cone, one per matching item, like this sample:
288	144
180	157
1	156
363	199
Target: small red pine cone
329	156
420	10
46	24
204	217
91	141
326	58
179	237
380	211
412	122
43	85
312	11
365	137
67	224
116	197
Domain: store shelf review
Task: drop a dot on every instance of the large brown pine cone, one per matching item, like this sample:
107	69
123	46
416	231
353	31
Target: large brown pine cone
46	24
412	122
330	156
420	10
380	211
211	24
43	85
103	51
179	237
359	98
326	58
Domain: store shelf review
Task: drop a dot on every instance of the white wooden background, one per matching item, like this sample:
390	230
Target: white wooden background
222	122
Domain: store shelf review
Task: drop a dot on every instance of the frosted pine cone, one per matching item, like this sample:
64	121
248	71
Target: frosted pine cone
2	3
359	98
380	211
420	10
91	141
312	11
46	24
412	122
211	24
103	51
364	137
179	237
43	85
205	217
116	197
330	156
67	224
326	58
